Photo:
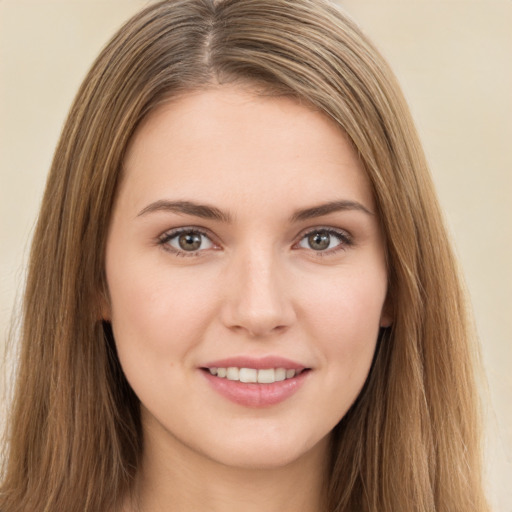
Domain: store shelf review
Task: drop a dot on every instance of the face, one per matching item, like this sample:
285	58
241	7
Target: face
246	274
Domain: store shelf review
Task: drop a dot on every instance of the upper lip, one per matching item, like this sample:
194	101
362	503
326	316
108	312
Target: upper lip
258	363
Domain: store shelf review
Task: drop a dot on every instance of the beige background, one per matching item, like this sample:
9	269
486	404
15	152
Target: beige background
454	60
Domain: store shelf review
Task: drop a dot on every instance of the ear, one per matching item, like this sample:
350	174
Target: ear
387	313
105	311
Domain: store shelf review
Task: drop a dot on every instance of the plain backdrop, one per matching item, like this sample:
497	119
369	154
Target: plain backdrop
454	61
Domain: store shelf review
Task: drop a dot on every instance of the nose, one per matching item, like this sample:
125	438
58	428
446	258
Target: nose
257	300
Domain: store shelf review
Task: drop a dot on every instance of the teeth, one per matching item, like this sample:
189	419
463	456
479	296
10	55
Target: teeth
248	375
252	375
232	373
280	374
266	376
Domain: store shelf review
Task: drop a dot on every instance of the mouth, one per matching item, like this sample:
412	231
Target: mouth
255	375
256	382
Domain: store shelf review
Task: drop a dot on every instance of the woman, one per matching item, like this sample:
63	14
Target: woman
240	291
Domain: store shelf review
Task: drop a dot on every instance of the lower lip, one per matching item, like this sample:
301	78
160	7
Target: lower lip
256	395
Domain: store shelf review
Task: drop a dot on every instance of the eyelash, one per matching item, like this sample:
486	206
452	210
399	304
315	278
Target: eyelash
169	235
344	238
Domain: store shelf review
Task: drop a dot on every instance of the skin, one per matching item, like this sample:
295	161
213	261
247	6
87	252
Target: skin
255	287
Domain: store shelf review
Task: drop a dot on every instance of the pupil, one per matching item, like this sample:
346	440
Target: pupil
190	241
319	241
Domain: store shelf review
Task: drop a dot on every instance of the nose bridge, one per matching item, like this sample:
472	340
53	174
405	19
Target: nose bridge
258	302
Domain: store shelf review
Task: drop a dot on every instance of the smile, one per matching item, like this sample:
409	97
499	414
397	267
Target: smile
255	387
253	375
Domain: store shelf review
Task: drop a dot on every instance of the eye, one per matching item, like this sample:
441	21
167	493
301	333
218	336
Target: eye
323	240
186	241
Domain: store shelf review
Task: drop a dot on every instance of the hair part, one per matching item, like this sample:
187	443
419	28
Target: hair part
75	437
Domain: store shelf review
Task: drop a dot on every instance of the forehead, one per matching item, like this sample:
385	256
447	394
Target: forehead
230	142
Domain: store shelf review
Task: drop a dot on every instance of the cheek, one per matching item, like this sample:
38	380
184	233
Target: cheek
343	315
155	308
158	319
347	300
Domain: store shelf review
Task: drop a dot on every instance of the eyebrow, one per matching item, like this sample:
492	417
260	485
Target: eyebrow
187	208
326	208
211	212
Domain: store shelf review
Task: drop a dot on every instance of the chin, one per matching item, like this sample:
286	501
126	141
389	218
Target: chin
267	454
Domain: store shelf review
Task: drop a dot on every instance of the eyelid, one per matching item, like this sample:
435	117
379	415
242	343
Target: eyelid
346	239
166	236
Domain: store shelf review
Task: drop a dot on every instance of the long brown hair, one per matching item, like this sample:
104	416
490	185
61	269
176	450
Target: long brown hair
411	440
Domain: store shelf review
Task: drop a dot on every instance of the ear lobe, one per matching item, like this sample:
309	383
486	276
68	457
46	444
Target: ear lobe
387	314
386	320
104	307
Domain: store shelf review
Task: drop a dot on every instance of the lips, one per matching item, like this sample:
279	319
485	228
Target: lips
255	362
254	382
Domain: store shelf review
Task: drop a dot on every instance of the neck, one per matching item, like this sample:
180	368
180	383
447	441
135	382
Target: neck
178	479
